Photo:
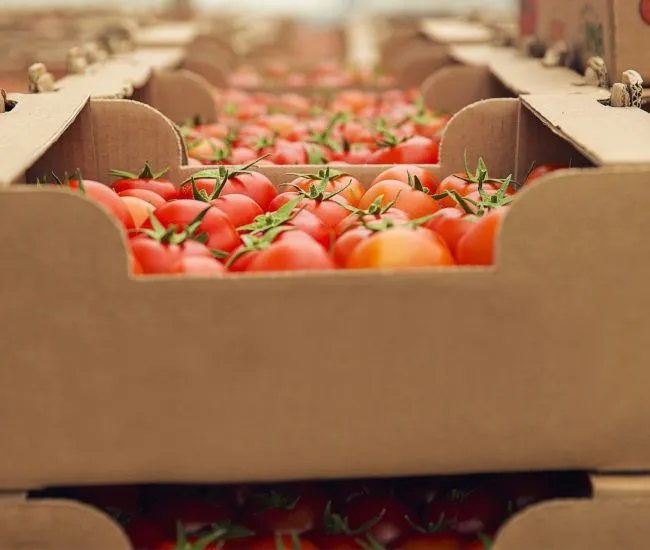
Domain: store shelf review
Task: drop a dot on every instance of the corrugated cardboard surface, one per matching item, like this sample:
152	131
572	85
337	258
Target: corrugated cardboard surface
604	134
612	29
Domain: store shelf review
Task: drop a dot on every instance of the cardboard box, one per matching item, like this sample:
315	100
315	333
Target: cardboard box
616	30
401	408
478	72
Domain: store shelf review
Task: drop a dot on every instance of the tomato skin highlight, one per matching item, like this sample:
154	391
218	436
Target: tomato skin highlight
241	209
254	185
156	258
478	244
198	265
330	211
416	150
104	195
162	187
402	173
149	196
401	248
297	251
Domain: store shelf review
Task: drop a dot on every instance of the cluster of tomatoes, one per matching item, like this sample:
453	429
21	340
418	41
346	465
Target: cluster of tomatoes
231	221
425	513
354	127
323	75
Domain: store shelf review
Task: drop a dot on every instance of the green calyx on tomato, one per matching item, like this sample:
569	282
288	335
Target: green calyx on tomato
67	179
439	526
171	234
145	174
295	542
264	142
315	156
327	174
415	183
273	499
485	540
325	137
386	224
222	173
375	208
257	242
316	191
271	220
183	544
218	155
334	524
202	195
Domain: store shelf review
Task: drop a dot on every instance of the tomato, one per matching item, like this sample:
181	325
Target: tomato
155	257
542	170
479	512
346	243
413	202
419	491
146	180
292	250
356	132
105	196
477	246
191	515
432	541
416	150
254	185
405	173
139	209
242	155
282	543
241	209
198	265
400	248
222	234
451	224
350	188
390	519
329	210
152	198
454	182
280	512
287	152
354	220
213	130
358	155
472	188
144	533
208	150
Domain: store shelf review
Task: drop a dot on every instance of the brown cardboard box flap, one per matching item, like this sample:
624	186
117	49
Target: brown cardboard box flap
558	364
57	525
455	31
616	521
604	134
167	34
157	58
32	126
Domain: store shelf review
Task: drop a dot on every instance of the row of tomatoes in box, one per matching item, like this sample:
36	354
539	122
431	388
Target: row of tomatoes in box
354	127
230	221
425	513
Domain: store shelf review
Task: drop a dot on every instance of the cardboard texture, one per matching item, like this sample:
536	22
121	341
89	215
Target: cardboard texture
455	31
616	30
559	367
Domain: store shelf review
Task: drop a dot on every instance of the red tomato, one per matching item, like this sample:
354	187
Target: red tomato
477	246
291	251
405	172
542	170
213	130
455	182
400	248
339	542
155	257
350	188
414	203
282	543
242	155
416	150
152	198
432	541
109	199
144	533
198	265
394	517
346	243
222	234
329	211
287	152
254	185
241	209
451	224
354	220
471	188
191	515
139	209
278	512
357	155
147	180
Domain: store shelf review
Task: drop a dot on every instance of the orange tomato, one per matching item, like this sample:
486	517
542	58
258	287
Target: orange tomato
451	224
401	248
416	204
402	173
350	188
477	246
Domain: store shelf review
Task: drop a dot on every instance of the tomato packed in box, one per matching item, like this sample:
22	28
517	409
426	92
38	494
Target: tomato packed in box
423	513
224	221
355	127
